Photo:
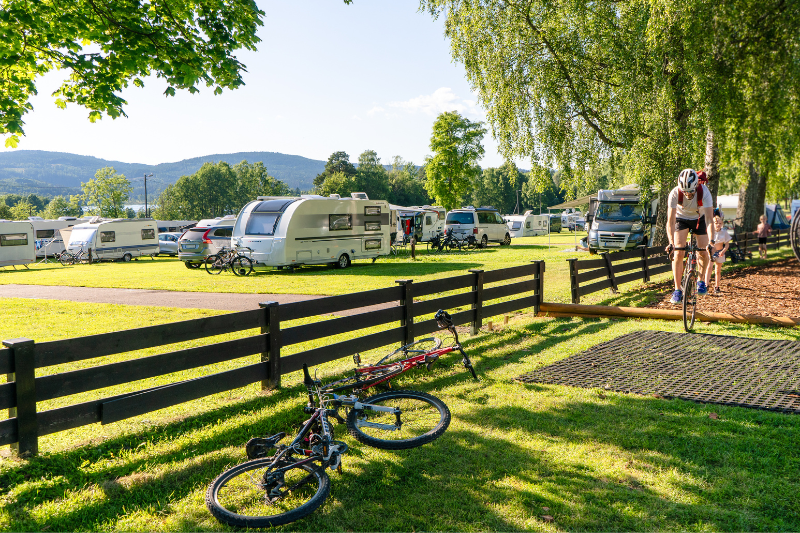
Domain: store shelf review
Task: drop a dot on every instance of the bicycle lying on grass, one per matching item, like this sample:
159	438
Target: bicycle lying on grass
290	484
240	264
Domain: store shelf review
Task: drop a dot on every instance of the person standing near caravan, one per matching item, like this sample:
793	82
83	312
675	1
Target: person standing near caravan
764	230
689	206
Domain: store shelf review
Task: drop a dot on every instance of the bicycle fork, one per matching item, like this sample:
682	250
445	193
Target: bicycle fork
361	407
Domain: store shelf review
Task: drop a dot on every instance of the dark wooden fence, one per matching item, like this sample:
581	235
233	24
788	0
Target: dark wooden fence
748	242
21	357
614	269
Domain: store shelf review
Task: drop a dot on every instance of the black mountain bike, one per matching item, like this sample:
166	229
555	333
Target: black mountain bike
270	490
226	259
689	284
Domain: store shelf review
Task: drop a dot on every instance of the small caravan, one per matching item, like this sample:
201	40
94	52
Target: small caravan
16	243
287	231
421	221
47	236
527	225
119	238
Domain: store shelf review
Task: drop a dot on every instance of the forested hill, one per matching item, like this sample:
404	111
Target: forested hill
49	173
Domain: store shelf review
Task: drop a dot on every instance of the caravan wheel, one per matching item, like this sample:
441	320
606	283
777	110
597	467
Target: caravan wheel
344	261
126	258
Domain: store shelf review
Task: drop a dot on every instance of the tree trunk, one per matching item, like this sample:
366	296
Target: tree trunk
712	164
751	200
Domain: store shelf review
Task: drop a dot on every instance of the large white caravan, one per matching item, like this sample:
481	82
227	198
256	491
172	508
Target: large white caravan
286	231
527	225
119	238
47	236
16	243
421	221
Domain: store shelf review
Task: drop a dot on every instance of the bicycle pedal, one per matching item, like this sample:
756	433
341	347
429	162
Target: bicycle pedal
260	447
339	469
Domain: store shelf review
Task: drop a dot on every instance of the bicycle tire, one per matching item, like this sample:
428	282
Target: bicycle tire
248	495
242	265
423	419
414	348
66	258
214	264
689	300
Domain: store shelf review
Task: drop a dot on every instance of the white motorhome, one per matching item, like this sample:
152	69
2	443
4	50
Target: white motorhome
287	231
16	243
119	238
47	236
421	221
527	225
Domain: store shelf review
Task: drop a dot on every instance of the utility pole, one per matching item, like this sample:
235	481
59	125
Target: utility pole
146	212
516	207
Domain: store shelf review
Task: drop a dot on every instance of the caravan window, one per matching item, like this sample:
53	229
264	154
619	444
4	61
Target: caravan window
528	224
429	220
148	234
107	236
82	236
45	233
372	226
14	239
372	244
340	222
372	210
516	225
261	223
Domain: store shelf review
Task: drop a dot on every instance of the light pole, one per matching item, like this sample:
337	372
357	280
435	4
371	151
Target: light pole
146	213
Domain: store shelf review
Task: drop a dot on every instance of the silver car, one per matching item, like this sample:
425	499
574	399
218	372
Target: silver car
199	242
168	243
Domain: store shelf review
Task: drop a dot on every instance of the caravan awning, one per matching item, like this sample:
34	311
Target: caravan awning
577	202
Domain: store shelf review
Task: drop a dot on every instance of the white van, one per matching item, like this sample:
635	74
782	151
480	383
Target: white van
119	238
424	222
16	243
287	231
527	225
47	236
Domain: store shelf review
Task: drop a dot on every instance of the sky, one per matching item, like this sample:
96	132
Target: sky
326	77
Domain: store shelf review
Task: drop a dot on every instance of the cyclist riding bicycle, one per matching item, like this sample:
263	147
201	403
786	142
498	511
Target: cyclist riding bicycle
689	207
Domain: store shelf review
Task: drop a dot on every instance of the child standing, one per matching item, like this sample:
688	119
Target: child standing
764	230
722	241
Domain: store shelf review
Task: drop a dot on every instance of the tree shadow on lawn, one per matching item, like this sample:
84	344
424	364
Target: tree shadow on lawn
683	467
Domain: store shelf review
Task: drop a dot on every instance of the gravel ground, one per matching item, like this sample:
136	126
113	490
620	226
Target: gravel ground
770	290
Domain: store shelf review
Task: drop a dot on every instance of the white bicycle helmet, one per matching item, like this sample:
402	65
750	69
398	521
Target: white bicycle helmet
687	181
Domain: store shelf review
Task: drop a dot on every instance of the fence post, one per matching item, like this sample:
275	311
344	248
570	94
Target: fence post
745	243
645	270
407	303
573	280
610	272
539	284
477	307
778	239
24	376
272	350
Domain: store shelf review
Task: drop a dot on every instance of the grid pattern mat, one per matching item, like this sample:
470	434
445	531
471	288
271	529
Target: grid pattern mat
705	368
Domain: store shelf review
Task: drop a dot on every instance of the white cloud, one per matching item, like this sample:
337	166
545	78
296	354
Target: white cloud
442	99
375	110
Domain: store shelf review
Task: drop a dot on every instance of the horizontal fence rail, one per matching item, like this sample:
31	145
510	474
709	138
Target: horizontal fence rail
402	319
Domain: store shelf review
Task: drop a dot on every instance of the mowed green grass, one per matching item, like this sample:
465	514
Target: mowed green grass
515	457
170	274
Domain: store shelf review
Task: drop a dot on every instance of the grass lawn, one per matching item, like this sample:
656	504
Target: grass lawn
515	457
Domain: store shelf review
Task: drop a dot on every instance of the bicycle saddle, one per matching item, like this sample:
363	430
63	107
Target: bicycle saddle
443	318
258	447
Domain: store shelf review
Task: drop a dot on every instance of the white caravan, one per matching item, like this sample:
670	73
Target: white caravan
527	225
422	221
47	236
119	238
16	243
287	231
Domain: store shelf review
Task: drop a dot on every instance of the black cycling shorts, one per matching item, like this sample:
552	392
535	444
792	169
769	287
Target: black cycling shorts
762	240
697	227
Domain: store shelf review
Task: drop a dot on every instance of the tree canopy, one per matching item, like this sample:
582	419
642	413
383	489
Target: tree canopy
105	46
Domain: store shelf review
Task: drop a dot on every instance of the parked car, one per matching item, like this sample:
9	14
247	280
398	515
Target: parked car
208	237
555	223
168	243
485	223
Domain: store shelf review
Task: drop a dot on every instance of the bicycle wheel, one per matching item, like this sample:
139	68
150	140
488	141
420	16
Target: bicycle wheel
214	264
242	265
423	418
409	350
251	495
689	300
66	258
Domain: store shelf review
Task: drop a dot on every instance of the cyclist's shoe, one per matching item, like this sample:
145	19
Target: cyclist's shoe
677	297
702	290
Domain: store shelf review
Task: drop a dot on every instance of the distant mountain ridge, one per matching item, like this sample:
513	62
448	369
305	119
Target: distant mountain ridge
53	173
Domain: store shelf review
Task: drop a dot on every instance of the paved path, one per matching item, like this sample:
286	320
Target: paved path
191	300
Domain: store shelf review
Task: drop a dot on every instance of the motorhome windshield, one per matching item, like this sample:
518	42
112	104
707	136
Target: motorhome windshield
460	218
618	212
82	236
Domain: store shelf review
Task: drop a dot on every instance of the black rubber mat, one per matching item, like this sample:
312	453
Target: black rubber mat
716	369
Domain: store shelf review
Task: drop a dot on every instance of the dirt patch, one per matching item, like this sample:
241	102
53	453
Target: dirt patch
764	290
